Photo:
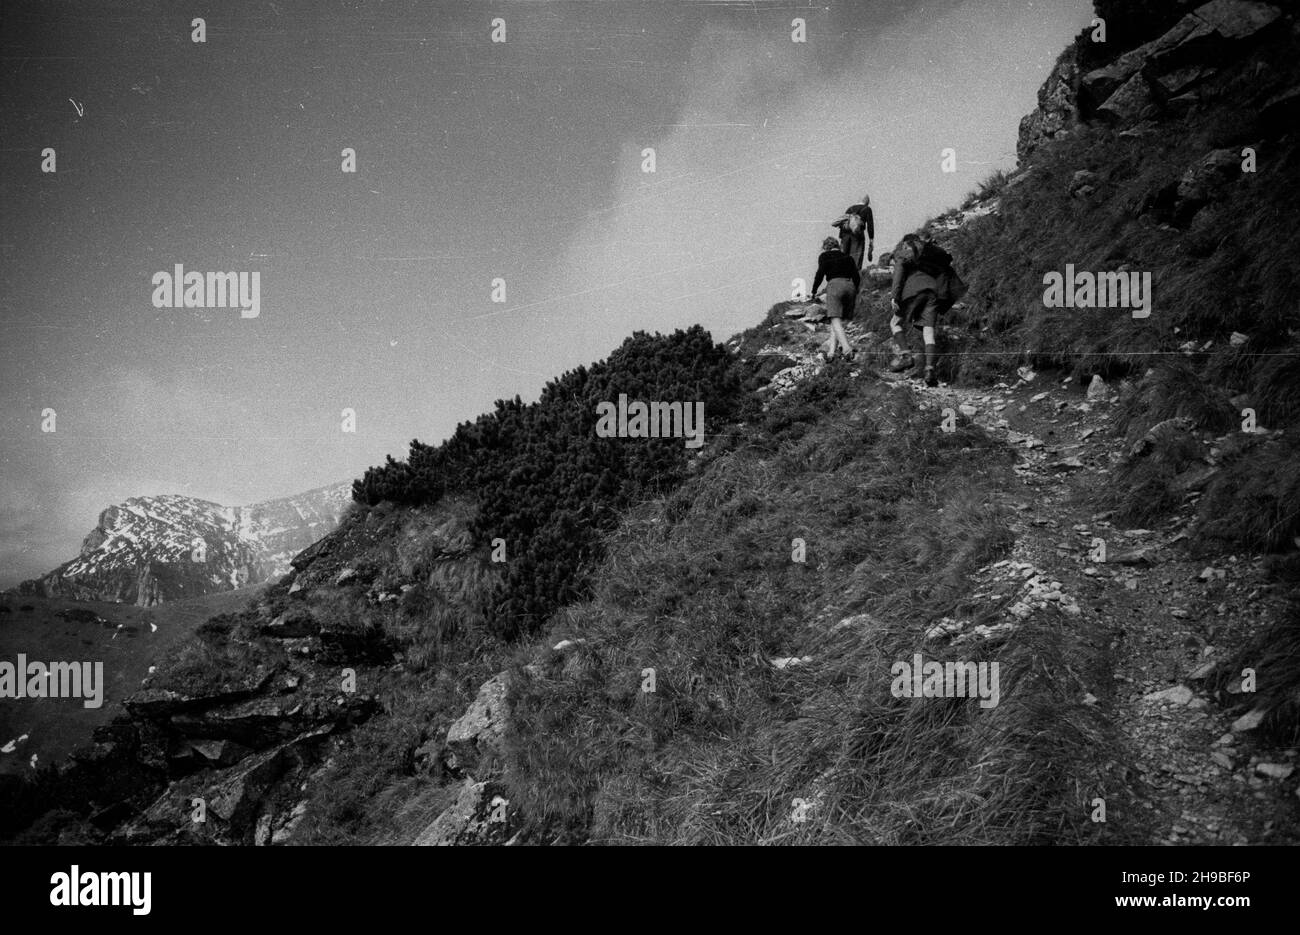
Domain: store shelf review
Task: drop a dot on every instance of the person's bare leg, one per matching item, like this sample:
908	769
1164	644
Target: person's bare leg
837	334
902	355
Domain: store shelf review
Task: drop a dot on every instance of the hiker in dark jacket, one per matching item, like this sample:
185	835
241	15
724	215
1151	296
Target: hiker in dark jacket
842	281
858	230
915	299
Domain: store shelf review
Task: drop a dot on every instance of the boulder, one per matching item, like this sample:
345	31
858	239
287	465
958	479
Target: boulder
284	833
1160	433
294	623
1083	183
1133	101
262	722
1176	695
480	815
219	753
476	736
1212	33
235	799
1182	80
1097	392
1202	181
1097	86
162	703
1250	720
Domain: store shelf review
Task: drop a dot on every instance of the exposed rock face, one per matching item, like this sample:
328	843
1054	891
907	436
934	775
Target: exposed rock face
480	815
244	746
1057	111
1164	75
477	735
1165	70
149	550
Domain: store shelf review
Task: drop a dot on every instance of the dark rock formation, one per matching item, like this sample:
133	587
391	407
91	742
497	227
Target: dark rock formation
1057	112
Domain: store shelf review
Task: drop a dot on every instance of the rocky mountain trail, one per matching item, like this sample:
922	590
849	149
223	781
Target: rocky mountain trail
1171	618
1166	613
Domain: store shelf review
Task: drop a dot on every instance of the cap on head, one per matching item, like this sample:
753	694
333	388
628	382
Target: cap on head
830	243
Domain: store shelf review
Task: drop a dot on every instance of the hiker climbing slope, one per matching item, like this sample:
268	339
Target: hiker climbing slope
842	281
921	273
857	227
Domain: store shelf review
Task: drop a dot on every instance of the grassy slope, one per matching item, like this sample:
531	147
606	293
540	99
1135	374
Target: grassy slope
701	587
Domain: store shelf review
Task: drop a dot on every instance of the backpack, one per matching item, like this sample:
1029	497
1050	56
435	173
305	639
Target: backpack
933	259
848	224
937	262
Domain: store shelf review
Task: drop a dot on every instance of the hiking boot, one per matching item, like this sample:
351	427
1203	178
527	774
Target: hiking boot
931	378
931	375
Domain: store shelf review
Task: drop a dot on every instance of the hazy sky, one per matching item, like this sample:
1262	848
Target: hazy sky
475	160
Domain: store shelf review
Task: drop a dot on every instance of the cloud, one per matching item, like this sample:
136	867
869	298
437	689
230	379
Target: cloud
770	145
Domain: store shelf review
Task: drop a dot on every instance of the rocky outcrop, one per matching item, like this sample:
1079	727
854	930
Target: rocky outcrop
1164	73
481	814
1057	110
1202	181
475	738
1162	76
236	748
232	806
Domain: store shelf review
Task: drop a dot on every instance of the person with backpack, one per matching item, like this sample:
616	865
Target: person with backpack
842	280
857	227
925	285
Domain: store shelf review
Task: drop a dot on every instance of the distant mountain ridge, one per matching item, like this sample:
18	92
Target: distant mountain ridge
149	550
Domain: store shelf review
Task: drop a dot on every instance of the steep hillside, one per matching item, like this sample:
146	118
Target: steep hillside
539	633
149	550
1194	182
